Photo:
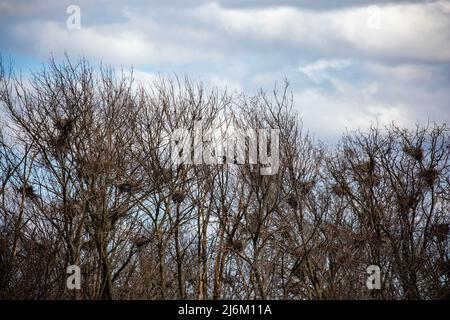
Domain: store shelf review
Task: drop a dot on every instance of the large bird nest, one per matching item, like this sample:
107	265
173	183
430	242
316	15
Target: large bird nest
28	191
341	189
440	231
178	196
430	176
414	152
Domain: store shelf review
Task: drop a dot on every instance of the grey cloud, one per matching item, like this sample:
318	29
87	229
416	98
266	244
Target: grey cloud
342	74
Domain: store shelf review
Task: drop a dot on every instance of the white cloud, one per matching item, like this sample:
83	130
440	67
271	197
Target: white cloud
405	94
112	43
404	73
330	115
225	83
413	31
317	71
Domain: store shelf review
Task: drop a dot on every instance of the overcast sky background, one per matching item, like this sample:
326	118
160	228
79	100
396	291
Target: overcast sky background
349	63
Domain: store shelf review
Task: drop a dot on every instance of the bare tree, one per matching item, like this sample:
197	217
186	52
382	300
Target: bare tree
89	178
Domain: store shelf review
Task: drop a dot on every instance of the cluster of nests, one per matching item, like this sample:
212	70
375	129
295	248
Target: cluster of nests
431	175
166	177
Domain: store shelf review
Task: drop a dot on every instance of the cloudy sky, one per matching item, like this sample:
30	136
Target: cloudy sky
350	63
